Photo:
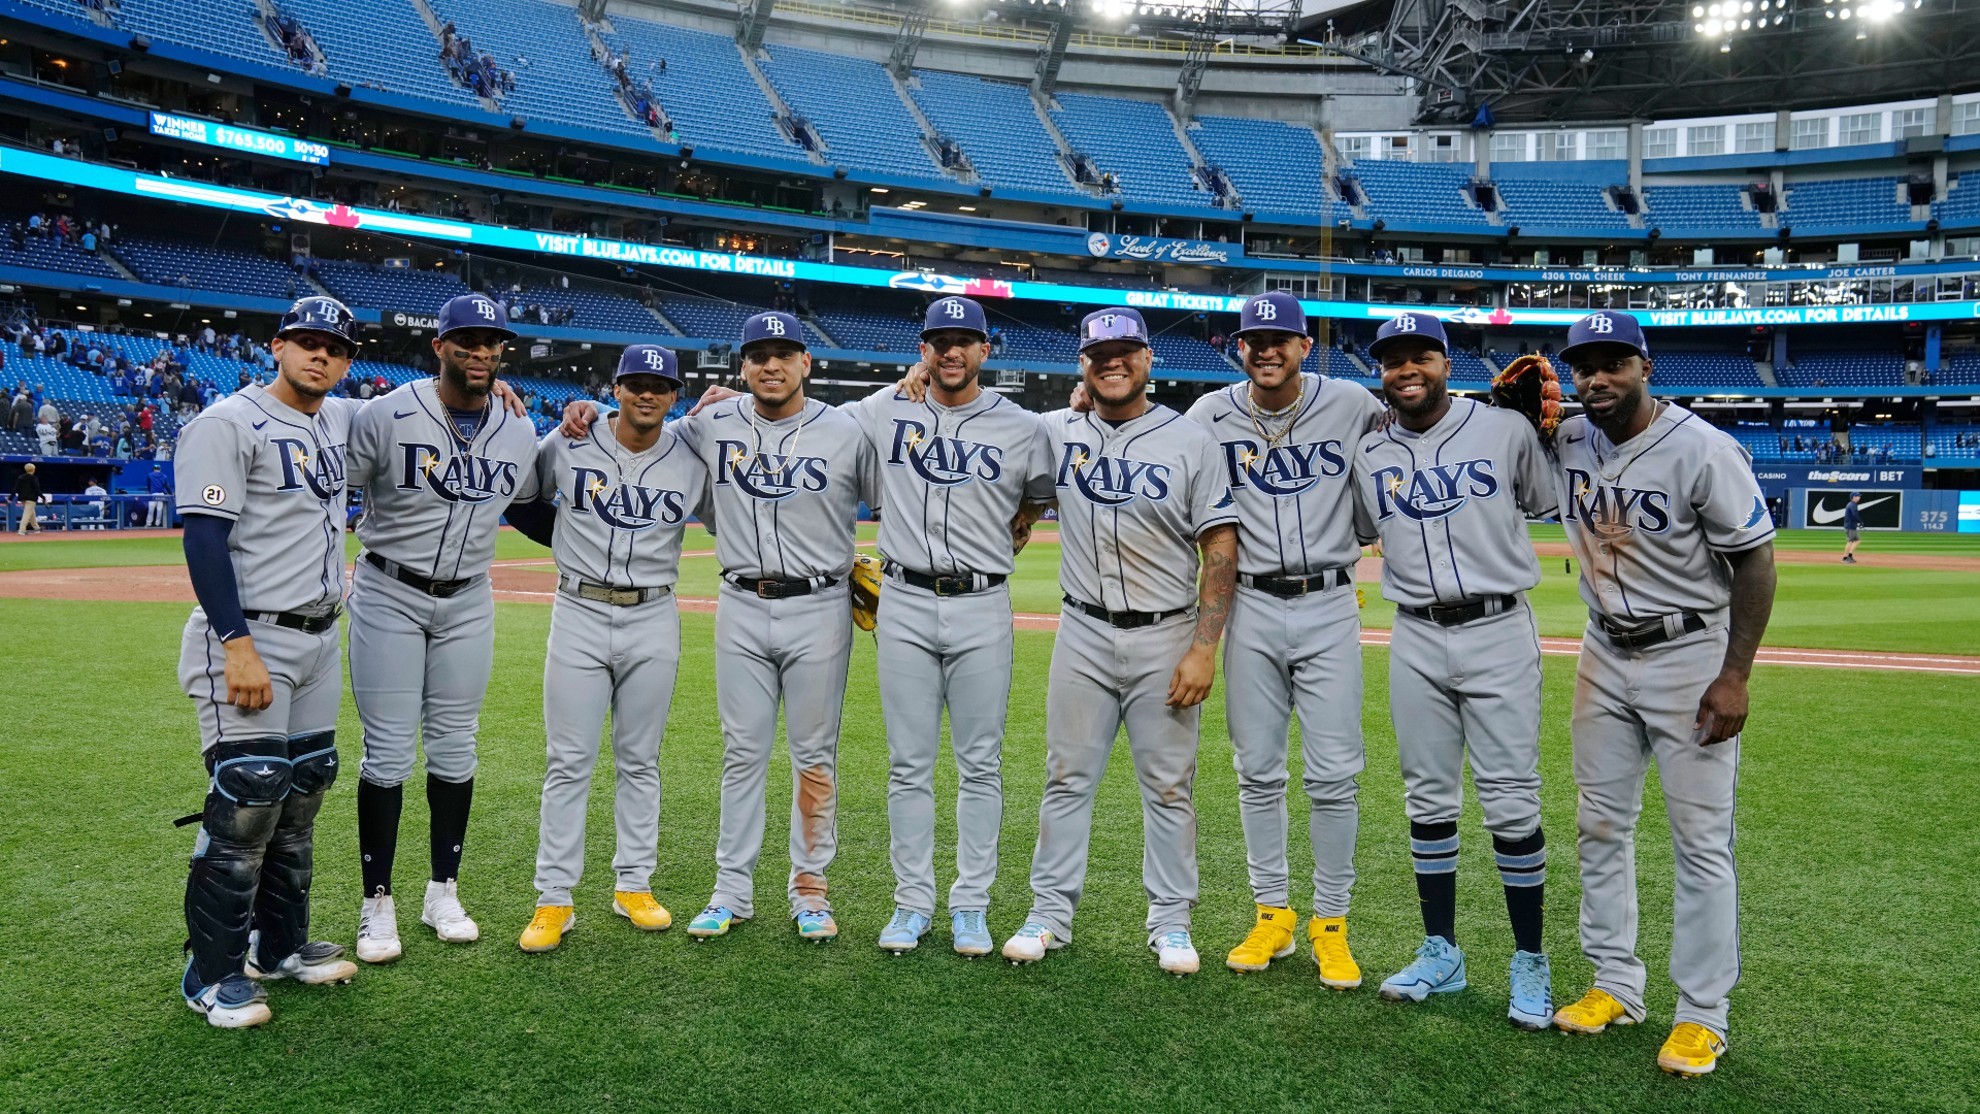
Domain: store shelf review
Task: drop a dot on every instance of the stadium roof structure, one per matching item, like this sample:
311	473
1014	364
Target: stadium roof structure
1545	61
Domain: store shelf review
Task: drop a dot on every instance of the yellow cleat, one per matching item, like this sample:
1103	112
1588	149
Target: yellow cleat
1271	938
1691	1050
642	910
546	929
1596	1011
1338	970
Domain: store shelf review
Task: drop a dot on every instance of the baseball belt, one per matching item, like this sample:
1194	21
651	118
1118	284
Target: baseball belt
1287	587
1125	620
957	584
607	593
1654	631
439	589
296	620
1464	611
771	588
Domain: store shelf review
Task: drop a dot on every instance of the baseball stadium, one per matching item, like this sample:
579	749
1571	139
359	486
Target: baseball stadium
1462	516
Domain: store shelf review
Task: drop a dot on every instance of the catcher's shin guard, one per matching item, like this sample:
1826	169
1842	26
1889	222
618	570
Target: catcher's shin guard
281	907
243	806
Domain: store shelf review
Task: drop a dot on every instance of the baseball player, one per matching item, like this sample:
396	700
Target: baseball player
786	477
438	463
1140	490
1448	488
623	499
260	483
1677	569
1285	440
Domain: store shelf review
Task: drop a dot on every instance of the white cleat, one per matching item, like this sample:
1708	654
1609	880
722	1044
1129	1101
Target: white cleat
1030	944
378	929
1175	953
313	964
442	913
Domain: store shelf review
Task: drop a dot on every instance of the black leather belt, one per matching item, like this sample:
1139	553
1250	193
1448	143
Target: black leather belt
308	624
772	589
1453	614
440	589
1125	620
1651	632
606	593
1287	587
960	584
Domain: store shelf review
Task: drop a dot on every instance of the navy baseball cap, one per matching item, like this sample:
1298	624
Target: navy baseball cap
649	359
321	315
1422	325
475	311
1605	327
955	313
773	325
1104	325
1274	311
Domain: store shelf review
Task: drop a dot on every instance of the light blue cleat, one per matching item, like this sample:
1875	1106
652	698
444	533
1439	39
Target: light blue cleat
1532	991
1437	969
818	926
904	932
971	931
712	921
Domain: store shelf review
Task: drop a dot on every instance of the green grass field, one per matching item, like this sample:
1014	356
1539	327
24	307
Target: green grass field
1858	896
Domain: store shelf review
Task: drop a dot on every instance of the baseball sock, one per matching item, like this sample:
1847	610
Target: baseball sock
1433	848
449	801
1523	868
378	832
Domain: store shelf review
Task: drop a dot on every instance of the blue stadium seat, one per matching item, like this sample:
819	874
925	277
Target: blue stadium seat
44	253
168	260
1831	368
1272	164
1136	141
997	126
707	92
1538	203
1699	210
852	104
1418	192
544	45
1844	203
398	288
383	46
596	309
1961	204
226	27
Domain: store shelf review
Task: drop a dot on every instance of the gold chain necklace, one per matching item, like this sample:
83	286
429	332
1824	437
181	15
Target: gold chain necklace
1258	416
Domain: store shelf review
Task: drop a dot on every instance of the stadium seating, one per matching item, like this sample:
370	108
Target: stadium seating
1844	203
1271	163
1539	203
707	91
852	104
1136	142
871	330
1698	210
1960	367
1839	369
1947	435
1683	369
996	126
710	319
544	45
226	27
172	261
596	309
387	46
45	253
399	288
1961	204
1418	193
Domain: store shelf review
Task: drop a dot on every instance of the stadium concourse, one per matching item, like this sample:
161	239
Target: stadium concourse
1788	208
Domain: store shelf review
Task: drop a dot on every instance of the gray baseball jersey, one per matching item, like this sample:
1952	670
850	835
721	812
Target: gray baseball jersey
952	477
1451	504
1652	518
249	449
433	502
1651	521
620	514
785	494
1290	480
1132	501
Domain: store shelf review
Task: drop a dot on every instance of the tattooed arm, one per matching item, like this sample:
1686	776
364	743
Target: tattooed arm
1191	682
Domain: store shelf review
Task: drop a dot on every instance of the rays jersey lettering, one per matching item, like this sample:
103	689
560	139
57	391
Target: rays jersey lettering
770	477
629	507
1111	481
1283	470
1432	493
1611	510
943	461
321	471
457	479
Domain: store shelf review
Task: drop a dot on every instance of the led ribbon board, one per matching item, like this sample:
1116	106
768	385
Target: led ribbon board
211	133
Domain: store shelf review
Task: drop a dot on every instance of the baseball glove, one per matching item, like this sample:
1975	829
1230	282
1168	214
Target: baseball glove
865	590
1529	385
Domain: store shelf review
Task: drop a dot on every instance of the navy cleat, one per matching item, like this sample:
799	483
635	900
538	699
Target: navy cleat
235	1002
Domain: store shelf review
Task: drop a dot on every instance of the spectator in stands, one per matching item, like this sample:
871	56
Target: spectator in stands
37	225
97	495
44	432
1839	428
189	399
27	492
48	413
122	449
20	416
88	239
